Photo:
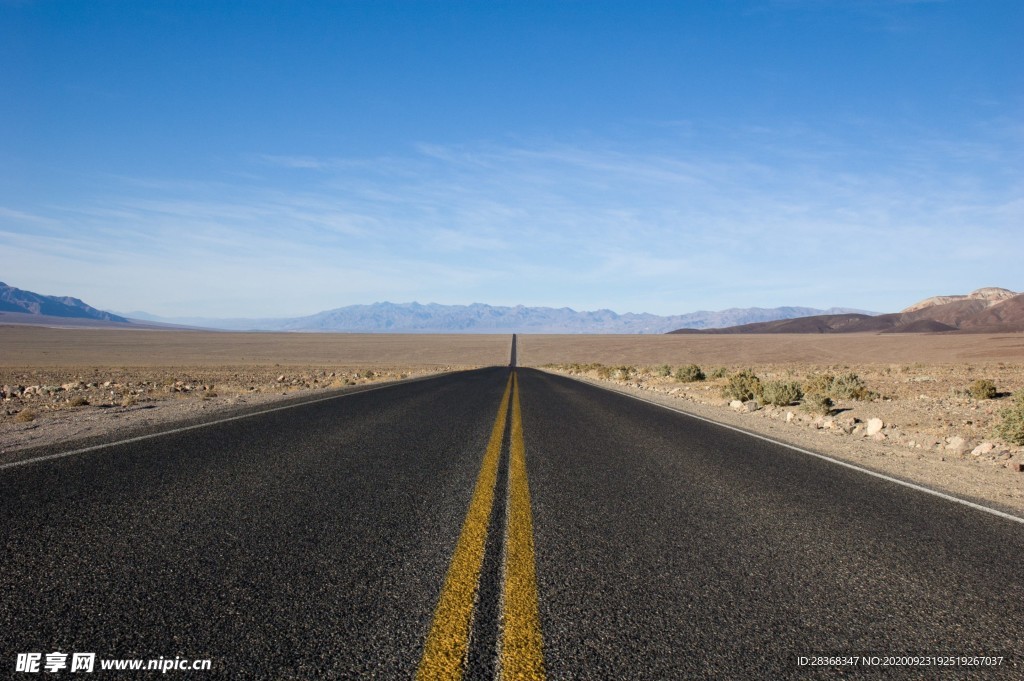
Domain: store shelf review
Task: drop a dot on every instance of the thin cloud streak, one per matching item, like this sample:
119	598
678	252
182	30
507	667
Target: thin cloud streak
750	217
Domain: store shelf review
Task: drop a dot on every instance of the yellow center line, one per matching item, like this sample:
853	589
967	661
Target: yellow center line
521	641
448	641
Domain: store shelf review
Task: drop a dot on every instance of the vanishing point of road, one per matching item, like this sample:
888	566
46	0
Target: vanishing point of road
497	523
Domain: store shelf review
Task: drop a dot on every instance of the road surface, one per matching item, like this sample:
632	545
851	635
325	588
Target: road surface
476	523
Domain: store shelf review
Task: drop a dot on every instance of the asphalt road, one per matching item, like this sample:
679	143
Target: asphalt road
612	539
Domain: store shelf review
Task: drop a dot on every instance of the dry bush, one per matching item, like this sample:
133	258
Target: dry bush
818	384
817	403
25	415
689	374
743	386
1011	428
983	389
848	386
781	393
78	401
624	372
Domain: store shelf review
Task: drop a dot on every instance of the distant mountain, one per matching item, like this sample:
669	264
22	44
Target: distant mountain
987	310
25	302
481	318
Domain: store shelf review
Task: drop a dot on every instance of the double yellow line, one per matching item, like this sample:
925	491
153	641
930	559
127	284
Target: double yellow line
520	642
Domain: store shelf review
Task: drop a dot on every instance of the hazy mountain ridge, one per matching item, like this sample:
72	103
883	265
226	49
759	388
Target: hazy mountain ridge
481	318
26	302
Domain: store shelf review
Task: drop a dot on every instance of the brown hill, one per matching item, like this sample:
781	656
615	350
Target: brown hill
987	310
989	294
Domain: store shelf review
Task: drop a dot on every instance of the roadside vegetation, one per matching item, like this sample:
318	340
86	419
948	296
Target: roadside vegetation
781	393
690	373
983	389
1011	425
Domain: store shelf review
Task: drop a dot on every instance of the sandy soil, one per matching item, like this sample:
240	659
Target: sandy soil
773	348
61	384
41	347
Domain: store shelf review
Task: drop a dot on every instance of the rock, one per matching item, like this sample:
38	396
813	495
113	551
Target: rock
280	379
790	416
736	404
875	426
956	444
879	437
828	424
846	423
983	448
751	405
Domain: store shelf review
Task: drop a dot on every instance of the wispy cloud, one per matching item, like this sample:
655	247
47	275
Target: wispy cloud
712	219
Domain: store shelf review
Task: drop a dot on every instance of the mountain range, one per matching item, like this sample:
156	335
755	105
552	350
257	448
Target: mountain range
480	318
15	300
986	310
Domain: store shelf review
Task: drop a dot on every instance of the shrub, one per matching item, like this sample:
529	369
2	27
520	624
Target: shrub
1011	428
78	401
850	386
817	403
720	372
689	374
625	371
664	370
847	386
818	384
982	389
743	385
781	393
25	415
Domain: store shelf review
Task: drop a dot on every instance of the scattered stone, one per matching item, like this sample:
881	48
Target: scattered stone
790	416
956	444
983	448
874	427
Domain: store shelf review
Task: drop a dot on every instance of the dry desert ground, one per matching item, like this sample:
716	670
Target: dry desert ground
80	383
64	384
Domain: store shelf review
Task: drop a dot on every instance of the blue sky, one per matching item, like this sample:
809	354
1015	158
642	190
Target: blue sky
277	159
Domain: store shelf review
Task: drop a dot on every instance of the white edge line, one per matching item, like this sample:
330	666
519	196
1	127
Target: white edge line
883	476
149	436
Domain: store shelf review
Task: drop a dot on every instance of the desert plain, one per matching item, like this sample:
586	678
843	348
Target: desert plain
64	387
